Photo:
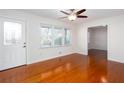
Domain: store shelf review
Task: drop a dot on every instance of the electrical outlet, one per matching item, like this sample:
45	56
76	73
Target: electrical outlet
60	52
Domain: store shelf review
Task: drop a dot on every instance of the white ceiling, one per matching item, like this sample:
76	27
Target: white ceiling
93	14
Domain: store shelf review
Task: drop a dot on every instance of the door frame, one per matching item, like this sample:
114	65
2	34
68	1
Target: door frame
107	36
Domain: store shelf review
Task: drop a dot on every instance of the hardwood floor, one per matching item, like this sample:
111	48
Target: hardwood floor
71	68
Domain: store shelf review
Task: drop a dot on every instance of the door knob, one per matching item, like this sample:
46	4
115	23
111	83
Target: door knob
24	46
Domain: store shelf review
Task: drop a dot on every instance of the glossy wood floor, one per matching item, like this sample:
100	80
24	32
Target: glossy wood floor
71	68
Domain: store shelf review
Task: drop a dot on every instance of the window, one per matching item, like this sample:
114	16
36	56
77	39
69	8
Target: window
46	36
54	36
12	33
58	36
67	37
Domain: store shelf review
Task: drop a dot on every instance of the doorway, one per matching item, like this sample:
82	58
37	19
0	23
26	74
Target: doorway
97	41
12	43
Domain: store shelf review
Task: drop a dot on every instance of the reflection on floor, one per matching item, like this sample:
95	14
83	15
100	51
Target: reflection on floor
71	68
97	70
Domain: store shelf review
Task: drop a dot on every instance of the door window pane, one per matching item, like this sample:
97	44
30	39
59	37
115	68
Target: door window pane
12	33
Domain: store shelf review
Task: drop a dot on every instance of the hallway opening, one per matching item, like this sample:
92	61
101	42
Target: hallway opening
97	41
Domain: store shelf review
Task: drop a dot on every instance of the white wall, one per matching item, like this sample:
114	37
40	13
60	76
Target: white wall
115	37
97	38
79	36
34	52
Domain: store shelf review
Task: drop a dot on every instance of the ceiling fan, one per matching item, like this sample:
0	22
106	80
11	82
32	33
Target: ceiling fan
74	14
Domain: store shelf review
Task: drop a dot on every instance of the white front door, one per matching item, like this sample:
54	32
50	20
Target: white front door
12	43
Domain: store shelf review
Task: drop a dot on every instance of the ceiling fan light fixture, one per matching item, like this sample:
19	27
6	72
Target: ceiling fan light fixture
73	14
72	17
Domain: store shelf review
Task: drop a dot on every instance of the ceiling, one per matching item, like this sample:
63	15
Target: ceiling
93	14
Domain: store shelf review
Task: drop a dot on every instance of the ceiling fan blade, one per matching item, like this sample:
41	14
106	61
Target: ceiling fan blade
62	17
80	16
72	10
65	12
81	11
